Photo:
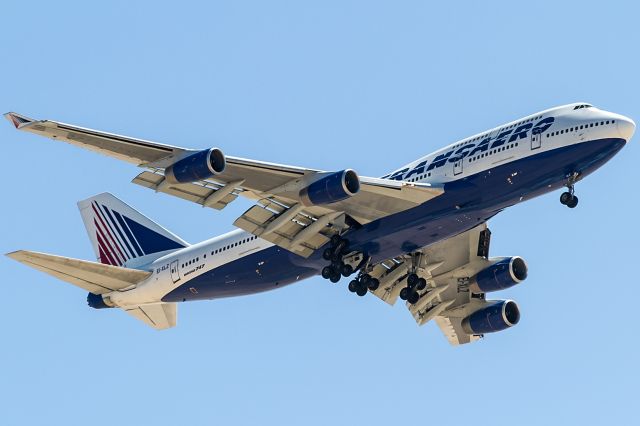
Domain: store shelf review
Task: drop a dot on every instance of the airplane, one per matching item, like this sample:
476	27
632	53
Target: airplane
418	234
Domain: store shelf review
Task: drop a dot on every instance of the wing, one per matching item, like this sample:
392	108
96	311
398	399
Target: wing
279	216
447	267
136	151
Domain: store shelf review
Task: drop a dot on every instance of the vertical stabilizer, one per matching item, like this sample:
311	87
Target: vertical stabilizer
122	236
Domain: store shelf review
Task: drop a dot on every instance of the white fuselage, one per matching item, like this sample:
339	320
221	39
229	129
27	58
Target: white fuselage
565	118
571	124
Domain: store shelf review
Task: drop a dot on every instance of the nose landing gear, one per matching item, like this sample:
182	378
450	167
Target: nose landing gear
569	198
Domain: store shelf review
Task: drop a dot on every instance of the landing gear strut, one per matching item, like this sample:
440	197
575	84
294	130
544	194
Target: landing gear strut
568	198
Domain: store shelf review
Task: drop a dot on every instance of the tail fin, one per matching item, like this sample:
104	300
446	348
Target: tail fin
122	236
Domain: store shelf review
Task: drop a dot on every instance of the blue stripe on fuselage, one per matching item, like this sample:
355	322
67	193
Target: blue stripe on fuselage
465	203
267	269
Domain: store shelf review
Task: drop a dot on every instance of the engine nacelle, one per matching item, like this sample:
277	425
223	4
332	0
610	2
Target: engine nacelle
496	317
201	165
331	188
503	274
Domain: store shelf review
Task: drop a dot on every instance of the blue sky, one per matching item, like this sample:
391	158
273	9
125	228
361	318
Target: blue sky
367	85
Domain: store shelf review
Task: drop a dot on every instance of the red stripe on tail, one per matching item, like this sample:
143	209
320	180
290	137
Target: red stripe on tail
111	252
105	256
108	232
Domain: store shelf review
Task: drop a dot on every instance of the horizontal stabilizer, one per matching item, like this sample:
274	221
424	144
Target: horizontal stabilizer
94	277
157	315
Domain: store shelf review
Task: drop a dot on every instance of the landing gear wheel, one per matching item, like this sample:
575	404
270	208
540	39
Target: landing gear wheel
565	198
334	278
422	284
327	272
373	284
414	296
346	270
404	293
335	239
573	202
412	280
361	291
353	286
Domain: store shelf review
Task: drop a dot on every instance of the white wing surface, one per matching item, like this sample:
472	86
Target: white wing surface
447	267
280	215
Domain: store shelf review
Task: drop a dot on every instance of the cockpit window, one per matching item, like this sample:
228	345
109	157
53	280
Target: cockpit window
582	106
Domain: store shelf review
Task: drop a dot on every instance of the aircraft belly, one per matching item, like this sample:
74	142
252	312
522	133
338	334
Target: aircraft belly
261	271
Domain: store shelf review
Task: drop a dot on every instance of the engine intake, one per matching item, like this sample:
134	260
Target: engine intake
502	274
495	317
331	188
201	165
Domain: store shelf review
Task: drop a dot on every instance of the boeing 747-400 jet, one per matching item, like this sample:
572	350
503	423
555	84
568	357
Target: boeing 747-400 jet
419	233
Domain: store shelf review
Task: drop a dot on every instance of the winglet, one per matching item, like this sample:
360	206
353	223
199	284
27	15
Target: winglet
18	120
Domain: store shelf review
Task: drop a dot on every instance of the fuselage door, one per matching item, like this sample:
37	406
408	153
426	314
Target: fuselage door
457	167
175	273
536	139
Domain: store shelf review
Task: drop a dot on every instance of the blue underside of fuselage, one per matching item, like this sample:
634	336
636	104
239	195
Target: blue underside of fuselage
465	203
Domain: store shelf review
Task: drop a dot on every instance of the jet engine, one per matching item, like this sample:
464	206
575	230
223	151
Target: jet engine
331	188
201	165
503	274
495	317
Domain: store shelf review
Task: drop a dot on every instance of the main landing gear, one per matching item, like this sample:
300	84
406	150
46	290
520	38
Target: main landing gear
363	283
414	285
334	253
338	268
568	198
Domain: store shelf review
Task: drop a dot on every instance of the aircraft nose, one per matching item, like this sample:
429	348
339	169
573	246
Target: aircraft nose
626	127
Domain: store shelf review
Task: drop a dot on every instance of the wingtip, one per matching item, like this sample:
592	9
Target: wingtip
15	255
18	120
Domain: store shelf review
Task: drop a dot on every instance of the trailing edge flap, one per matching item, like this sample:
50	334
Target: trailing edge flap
157	315
94	277
452	329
